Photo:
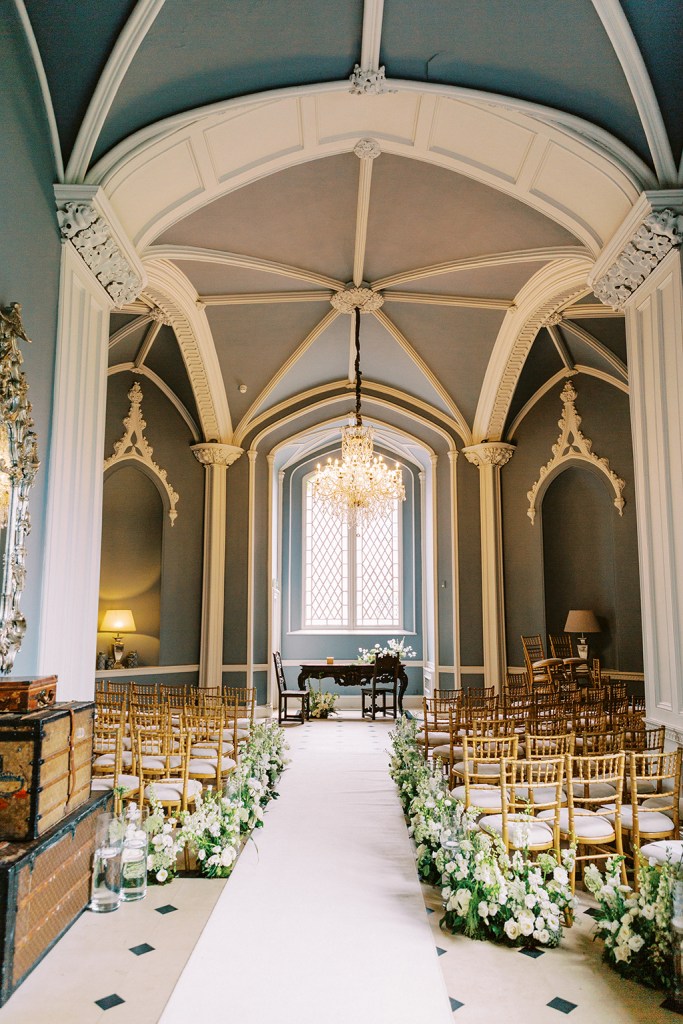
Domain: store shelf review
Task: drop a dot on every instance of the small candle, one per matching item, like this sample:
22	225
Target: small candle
330	661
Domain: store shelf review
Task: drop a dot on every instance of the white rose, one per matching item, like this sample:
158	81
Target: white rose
542	936
512	929
530	900
648	912
201	854
162	875
636	942
526	922
483	909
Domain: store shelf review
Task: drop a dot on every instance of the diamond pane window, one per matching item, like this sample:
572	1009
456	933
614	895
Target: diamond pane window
351	580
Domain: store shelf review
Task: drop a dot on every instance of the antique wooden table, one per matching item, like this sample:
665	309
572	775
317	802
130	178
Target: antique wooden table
348	673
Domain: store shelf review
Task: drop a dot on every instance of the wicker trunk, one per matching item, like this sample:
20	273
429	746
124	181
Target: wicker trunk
45	768
44	886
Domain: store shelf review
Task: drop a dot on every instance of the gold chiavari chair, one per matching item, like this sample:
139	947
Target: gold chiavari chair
531	802
246	706
109	760
539	668
436	724
478	773
172	786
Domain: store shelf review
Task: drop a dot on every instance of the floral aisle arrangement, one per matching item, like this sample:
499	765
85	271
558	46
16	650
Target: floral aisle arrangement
399	647
246	791
212	830
320	704
636	926
165	842
487	893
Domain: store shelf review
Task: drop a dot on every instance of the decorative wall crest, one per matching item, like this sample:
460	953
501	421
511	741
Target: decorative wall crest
368	81
134	445
83	225
367	300
212	453
489	453
572	446
657	235
19	465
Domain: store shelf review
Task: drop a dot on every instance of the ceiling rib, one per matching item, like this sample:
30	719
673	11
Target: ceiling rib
146	346
193	254
144	371
373	11
257	298
616	26
591	311
499	259
469	301
588	371
362	212
583	335
129	328
117	65
562	350
44	87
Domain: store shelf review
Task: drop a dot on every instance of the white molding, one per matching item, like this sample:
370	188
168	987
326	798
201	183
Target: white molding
616	25
435	299
251	567
548	254
120	59
598	347
587	371
265	298
170	289
144	371
146	670
133	446
373	11
219	258
68	624
366	157
87	219
455	563
546	292
571	447
44	87
128	329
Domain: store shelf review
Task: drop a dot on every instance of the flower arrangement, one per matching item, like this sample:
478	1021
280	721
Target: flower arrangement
212	830
164	841
487	893
636	926
322	705
246	791
398	647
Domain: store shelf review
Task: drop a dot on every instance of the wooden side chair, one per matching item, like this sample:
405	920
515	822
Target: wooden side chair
561	646
286	696
539	668
382	693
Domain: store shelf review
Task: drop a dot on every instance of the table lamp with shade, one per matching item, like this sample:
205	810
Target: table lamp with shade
118	621
582	622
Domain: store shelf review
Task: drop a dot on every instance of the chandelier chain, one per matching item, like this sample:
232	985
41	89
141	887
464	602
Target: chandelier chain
359	375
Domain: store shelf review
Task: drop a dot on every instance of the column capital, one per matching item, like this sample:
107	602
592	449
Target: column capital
489	453
87	220
211	453
651	230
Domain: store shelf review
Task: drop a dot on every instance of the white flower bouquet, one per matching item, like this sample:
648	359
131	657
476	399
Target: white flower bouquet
431	815
636	926
212	830
164	843
399	647
322	705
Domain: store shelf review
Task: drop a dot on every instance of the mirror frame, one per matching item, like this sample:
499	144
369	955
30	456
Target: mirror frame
15	417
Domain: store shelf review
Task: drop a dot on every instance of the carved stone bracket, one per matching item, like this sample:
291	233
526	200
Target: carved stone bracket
572	446
18	466
368	81
489	453
211	453
656	236
87	221
350	298
133	445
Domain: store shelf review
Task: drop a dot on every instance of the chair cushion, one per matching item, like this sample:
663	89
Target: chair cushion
538	794
107	760
655	802
444	751
663	850
648	821
596	790
102	783
172	789
523	830
151	763
486	797
487	768
205	767
587	824
434	738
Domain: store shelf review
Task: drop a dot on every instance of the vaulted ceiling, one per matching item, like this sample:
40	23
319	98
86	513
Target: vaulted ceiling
511	140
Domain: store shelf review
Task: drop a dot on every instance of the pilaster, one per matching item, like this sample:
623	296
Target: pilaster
489	458
215	458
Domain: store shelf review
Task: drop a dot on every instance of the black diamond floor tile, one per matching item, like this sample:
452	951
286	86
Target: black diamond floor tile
533	953
144	947
109	1001
168	908
563	1005
440	951
429	910
670	1004
455	1003
592	912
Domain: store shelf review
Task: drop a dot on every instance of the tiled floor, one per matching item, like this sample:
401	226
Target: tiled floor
123	967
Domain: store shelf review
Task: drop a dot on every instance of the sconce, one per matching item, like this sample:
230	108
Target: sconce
118	621
582	622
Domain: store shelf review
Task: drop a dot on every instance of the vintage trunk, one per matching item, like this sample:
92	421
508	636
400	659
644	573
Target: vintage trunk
45	768
44	886
32	693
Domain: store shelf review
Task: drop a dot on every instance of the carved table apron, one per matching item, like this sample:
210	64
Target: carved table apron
348	673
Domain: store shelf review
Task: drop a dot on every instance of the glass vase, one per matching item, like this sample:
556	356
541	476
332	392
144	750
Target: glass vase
105	890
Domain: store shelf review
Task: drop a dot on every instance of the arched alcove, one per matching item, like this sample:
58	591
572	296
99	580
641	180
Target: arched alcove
130	568
578	556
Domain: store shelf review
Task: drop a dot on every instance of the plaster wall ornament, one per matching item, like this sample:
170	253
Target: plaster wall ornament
553	320
489	453
90	234
213	454
368	81
658	234
133	445
18	467
160	316
572	446
367	149
351	297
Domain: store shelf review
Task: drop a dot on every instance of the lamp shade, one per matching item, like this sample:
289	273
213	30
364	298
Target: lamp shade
581	622
118	620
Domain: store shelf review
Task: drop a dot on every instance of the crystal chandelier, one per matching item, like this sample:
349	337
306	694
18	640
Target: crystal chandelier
361	487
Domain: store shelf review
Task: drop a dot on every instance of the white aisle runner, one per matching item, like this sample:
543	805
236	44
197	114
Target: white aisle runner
322	921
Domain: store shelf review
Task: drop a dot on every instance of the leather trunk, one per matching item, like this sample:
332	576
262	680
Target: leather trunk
32	693
45	768
44	886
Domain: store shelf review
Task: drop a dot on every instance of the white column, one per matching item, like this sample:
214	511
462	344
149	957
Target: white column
640	272
251	455
490	457
215	458
455	571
